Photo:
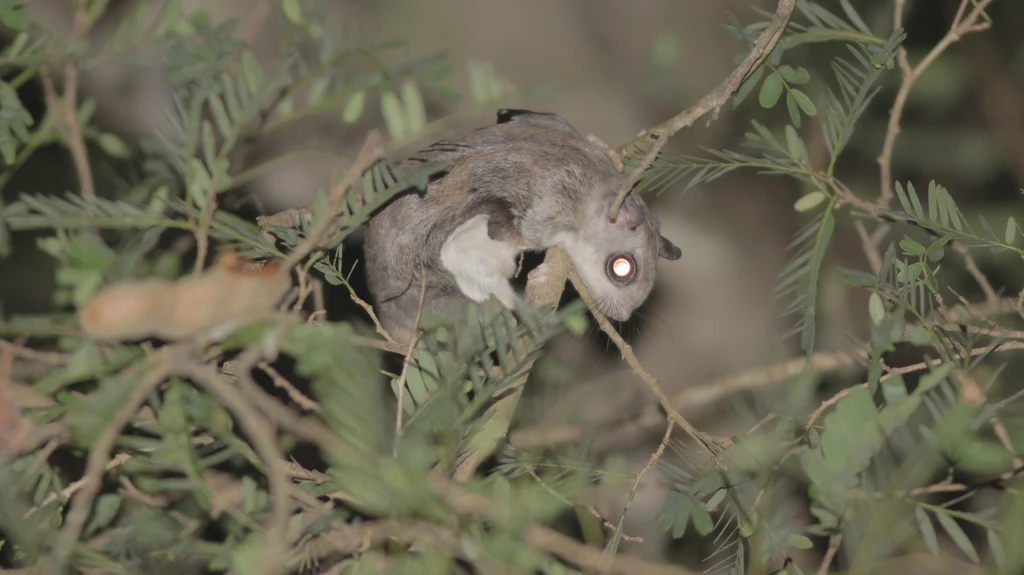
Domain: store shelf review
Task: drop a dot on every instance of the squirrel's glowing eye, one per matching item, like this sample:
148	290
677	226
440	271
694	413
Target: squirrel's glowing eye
621	268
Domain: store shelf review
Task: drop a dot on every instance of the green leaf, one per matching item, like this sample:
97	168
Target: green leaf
799	541
6	246
770	90
484	84
894	390
958	536
292	10
754	452
807	298
354	108
795	76
804	102
675	514
103	513
924	524
318	89
113	146
795	145
716	499
876	308
450	94
747	86
809	201
912	247
15	121
251	556
415	110
88	414
170	14
793	108
15	17
933	378
936	251
253	72
339	372
702	520
854	17
983	457
1011	231
995	545
576	324
920	336
394	115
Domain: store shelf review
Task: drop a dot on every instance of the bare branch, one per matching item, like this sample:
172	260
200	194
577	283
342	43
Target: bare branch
655	138
961	25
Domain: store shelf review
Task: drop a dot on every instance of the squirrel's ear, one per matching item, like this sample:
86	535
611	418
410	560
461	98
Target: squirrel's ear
531	118
506	115
631	214
668	250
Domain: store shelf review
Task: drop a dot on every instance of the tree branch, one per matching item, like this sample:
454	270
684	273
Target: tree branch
652	382
655	138
961	25
372	151
66	106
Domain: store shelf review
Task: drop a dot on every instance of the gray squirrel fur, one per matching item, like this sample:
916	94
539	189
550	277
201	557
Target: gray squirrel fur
528	182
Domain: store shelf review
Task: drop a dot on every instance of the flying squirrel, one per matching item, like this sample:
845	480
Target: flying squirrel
528	182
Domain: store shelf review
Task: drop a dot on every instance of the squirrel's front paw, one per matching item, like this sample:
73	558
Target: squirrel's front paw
537	279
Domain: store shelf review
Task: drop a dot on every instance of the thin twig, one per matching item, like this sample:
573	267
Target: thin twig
48	357
202	231
99	456
698	397
372	151
373	317
658	136
893	372
590	559
652	383
834	541
590	508
72	488
264	438
961	25
408	358
294	394
11	422
651	462
66	106
693	399
991	297
869	246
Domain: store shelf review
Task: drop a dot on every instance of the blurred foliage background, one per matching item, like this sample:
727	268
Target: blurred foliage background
612	69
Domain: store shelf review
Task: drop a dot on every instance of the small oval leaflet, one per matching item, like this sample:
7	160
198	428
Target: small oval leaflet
876	308
394	114
770	90
809	201
354	108
798	75
415	110
912	247
292	10
804	102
